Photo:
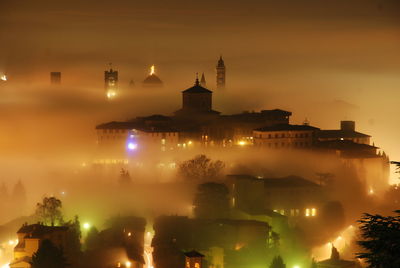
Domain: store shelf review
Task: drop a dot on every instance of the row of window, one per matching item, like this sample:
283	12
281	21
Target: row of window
286	145
114	130
308	212
283	135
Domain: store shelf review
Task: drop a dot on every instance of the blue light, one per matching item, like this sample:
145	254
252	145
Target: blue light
132	146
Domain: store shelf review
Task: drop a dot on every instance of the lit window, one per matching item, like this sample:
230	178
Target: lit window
163	141
313	212
197	265
307	212
187	264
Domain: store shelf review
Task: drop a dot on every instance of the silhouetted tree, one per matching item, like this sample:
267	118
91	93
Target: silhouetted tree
48	256
19	195
381	240
92	239
201	168
277	262
74	236
49	211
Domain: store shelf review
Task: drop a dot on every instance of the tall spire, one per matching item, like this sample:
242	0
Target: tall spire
203	80
221	71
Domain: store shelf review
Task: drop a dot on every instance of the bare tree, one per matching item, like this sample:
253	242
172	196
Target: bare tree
201	168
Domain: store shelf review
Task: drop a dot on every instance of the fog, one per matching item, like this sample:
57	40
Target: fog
324	62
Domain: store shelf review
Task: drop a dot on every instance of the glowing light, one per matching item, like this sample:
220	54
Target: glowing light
129	234
7	265
190	142
111	94
3	78
86	226
242	143
152	69
371	191
128	264
132	146
11	242
296	266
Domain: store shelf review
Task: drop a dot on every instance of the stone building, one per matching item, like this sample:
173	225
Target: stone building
30	238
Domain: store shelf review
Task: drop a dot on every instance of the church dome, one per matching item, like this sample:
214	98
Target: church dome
152	80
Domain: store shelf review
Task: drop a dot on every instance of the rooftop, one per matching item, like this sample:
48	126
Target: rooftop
334	134
193	254
283	182
287	127
197	89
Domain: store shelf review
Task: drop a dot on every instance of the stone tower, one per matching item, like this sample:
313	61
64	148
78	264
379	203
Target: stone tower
221	73
111	82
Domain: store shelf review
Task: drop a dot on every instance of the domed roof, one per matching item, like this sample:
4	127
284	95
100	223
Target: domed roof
152	79
197	88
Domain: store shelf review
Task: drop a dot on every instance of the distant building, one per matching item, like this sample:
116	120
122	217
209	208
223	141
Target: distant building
285	136
347	131
193	259
335	262
111	83
290	196
55	78
221	73
29	239
152	80
196	100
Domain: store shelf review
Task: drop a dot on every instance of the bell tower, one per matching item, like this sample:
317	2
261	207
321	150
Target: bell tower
221	73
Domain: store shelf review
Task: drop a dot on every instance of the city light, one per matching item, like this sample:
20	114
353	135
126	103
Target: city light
132	146
128	264
7	265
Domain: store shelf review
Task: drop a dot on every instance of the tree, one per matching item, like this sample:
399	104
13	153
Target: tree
48	256
49	211
200	168
381	240
277	262
19	195
92	239
211	200
74	236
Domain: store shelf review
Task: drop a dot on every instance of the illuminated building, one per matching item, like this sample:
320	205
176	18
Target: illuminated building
55	78
347	132
152	80
111	83
221	73
285	136
290	196
30	238
193	259
213	238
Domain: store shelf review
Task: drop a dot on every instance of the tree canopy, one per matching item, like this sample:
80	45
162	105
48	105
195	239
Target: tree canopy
200	168
381	240
49	211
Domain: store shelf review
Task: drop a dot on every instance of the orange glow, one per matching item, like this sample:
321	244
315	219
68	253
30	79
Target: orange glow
152	70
